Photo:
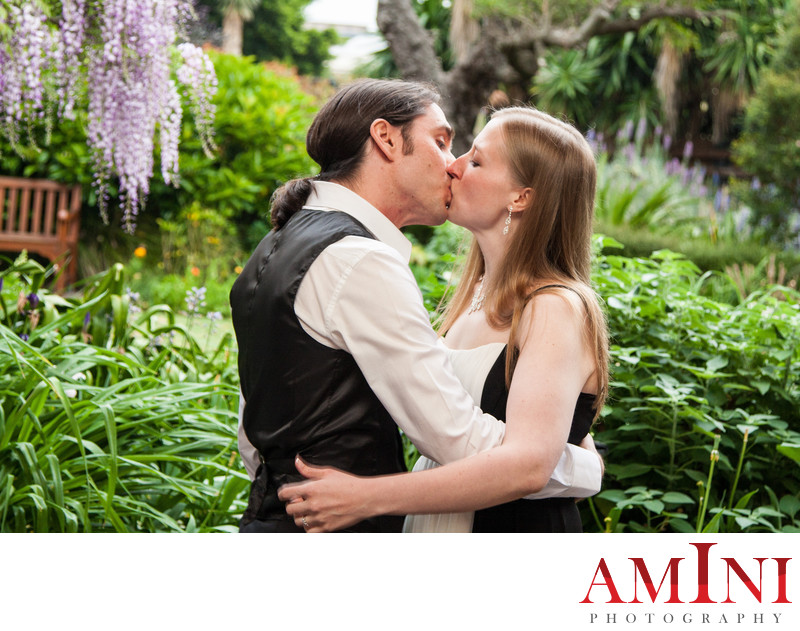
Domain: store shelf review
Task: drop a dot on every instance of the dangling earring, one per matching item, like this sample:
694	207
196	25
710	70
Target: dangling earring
508	221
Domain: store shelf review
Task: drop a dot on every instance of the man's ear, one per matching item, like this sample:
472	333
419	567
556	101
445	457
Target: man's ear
388	139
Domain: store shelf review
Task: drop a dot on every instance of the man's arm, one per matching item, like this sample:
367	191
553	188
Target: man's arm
248	453
368	304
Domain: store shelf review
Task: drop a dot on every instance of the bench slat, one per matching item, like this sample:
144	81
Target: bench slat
49	211
36	222
11	210
24	211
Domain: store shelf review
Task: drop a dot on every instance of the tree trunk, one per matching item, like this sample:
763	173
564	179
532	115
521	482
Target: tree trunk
232	28
411	45
724	105
667	73
463	29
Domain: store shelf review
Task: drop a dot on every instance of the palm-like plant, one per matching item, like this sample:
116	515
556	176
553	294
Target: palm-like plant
600	86
567	82
744	45
235	14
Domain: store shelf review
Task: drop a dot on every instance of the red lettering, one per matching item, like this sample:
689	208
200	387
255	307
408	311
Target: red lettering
702	572
640	568
603	569
734	565
782	581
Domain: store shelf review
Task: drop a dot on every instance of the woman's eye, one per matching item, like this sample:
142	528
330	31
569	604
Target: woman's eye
473	163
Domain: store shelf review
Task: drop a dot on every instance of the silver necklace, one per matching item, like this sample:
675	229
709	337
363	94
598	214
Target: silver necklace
476	304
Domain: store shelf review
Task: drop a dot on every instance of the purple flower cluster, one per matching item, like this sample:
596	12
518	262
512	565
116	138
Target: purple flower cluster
33	47
72	28
128	89
198	77
125	48
195	300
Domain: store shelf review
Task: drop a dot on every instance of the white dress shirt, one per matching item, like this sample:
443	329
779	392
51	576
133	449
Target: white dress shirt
359	295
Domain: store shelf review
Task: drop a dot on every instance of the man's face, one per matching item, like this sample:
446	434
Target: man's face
422	179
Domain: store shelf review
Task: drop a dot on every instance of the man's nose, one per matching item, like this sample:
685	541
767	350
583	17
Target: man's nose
453	168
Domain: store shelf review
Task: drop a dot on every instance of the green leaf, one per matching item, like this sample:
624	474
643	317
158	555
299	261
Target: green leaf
762	386
790	450
623	472
673	497
654	506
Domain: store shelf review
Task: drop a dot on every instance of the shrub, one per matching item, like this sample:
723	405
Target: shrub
260	126
111	420
697	382
260	129
722	256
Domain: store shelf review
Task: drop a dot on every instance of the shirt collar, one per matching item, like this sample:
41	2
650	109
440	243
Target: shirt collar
330	196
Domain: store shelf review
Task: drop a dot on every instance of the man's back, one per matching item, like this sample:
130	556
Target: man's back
302	396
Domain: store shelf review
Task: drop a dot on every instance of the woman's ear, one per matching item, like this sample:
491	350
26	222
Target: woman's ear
388	138
523	199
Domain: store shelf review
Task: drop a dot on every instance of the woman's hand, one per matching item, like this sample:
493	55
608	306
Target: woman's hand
328	500
588	443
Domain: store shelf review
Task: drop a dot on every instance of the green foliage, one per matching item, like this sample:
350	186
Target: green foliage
695	383
260	128
744	43
738	267
640	192
277	32
111	420
616	69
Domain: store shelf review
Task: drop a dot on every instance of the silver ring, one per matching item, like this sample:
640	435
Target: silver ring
305	523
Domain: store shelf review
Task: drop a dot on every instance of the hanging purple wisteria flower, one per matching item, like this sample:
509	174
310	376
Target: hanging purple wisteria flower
127	52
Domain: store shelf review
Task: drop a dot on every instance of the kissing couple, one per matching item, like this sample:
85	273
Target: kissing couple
336	349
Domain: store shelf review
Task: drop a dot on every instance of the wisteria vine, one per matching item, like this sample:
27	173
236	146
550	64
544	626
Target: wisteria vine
123	59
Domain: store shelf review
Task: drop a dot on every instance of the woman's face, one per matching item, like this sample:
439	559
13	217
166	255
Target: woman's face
482	185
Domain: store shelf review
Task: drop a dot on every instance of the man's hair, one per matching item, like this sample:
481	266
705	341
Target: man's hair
337	138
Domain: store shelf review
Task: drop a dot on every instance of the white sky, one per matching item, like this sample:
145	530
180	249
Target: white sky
351	12
354	50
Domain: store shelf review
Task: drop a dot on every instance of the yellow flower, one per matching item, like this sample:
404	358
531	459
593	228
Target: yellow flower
140	252
213	240
238	269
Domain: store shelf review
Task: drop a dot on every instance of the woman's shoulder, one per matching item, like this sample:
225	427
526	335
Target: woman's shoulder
558	294
554	312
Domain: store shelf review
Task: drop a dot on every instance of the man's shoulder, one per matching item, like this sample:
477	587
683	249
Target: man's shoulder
352	250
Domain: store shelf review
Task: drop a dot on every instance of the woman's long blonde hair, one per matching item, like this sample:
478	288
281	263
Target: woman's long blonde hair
550	243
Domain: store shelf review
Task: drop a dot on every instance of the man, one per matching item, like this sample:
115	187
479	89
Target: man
335	345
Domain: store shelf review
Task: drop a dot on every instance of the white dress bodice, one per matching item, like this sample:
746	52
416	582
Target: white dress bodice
471	366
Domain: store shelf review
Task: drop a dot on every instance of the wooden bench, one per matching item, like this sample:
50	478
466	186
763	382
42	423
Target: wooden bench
42	217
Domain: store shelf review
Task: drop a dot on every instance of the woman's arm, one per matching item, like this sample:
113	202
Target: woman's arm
554	365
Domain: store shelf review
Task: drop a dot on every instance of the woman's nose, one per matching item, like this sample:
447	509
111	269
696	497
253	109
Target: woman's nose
455	168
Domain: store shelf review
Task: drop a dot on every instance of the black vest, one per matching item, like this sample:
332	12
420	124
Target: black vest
302	396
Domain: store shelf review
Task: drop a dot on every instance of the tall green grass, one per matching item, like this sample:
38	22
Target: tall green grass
111	420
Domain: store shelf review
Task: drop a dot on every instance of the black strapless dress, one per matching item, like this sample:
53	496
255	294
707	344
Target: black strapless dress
556	514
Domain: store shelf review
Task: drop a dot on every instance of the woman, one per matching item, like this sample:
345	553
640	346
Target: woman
527	335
